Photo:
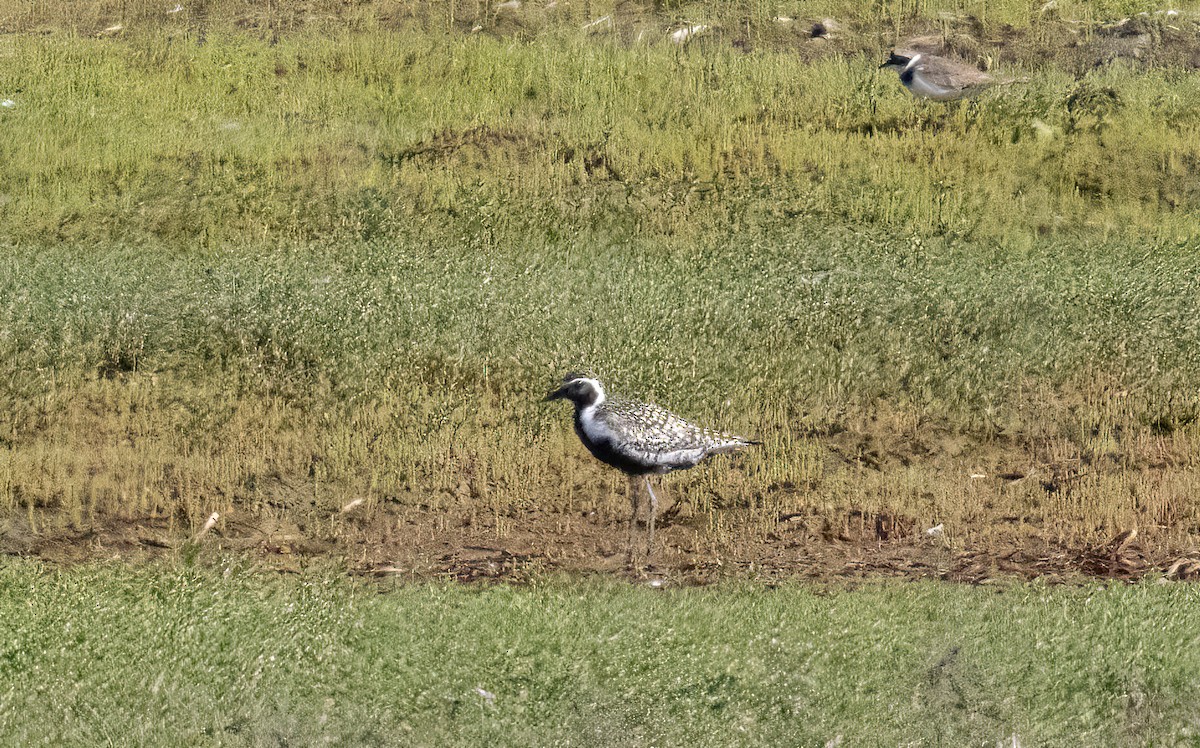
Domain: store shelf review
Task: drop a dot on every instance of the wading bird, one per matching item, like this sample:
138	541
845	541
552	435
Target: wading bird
640	440
937	78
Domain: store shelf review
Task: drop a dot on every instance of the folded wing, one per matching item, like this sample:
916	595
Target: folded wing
656	437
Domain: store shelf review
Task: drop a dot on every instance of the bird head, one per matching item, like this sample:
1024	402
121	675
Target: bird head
579	389
898	61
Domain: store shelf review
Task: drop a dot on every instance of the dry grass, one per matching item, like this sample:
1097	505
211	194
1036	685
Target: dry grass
136	448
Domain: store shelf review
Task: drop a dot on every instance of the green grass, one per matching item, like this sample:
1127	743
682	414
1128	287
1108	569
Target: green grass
179	656
804	313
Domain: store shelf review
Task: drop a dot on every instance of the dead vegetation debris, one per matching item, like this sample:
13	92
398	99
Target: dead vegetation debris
1052	37
413	543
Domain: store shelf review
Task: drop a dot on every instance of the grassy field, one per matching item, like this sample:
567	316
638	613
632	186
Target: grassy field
150	383
179	656
271	260
312	265
167	134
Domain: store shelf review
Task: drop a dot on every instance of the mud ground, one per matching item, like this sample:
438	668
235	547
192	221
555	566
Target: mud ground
821	536
415	543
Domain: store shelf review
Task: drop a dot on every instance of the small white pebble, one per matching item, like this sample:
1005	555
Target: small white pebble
936	530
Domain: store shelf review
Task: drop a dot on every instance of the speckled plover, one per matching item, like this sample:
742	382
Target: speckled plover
639	439
937	78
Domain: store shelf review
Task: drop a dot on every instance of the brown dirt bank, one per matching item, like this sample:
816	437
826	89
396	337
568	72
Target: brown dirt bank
469	544
882	497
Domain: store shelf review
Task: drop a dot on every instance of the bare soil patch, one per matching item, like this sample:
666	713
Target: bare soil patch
915	502
468	544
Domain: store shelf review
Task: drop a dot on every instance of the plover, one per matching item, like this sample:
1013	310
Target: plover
639	439
937	78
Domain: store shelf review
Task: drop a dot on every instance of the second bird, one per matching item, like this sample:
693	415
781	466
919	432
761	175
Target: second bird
937	78
639	439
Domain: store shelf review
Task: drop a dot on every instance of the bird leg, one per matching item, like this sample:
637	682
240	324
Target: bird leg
650	524
633	501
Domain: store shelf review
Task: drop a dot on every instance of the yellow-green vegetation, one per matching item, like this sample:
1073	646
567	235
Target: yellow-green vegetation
169	656
145	381
261	259
172	132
